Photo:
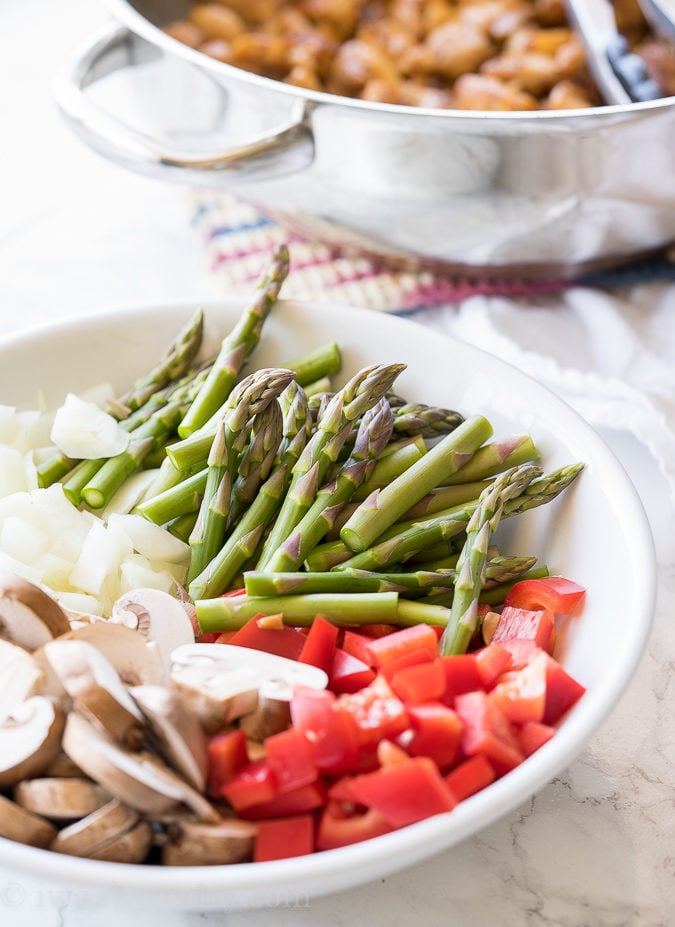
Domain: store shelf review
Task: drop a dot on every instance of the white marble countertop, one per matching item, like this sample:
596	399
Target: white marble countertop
596	847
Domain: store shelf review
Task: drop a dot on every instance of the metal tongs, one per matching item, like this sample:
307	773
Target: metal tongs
620	74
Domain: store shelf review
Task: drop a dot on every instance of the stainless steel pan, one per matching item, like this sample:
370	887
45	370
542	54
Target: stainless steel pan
500	194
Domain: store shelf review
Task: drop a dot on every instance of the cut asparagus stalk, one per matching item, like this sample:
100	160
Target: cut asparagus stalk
384	507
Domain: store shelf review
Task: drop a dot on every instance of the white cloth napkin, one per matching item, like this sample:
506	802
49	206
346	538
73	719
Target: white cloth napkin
610	355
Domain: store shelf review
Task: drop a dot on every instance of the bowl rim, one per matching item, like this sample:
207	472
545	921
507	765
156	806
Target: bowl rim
126	12
417	841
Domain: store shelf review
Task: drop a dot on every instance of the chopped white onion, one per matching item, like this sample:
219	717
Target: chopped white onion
82	430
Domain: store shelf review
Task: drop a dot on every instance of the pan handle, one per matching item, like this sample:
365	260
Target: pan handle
284	150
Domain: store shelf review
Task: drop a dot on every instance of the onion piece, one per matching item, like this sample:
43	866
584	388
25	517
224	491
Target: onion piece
83	431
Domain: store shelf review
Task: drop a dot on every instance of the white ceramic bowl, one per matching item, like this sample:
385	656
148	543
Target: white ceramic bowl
597	534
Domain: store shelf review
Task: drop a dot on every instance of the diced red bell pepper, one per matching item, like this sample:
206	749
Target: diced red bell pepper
522	695
374	631
537	625
298	801
470	776
338	829
413	657
391	647
376	712
404	793
522	650
348	674
533	735
284	838
357	645
562	691
284	642
330	732
389	753
491	662
487	731
551	593
436	731
420	683
224	637
320	644
209	637
461	675
250	785
227	753
289	756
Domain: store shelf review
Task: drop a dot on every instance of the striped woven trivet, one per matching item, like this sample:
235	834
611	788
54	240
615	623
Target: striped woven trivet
237	237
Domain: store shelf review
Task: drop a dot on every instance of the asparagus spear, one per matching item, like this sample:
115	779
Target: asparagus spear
173	364
236	348
348	405
321	362
373	435
216	577
390	466
495	458
463	619
257	461
383	507
230	613
249	399
416	418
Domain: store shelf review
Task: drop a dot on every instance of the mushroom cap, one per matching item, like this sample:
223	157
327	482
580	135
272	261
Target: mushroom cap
18	824
159	617
127	650
96	689
28	615
92	832
139	779
20	677
60	799
175	730
223	683
194	843
30	739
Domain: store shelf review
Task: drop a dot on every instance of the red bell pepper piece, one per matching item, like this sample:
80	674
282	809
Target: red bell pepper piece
470	776
227	753
357	645
284	838
250	785
320	644
376	712
348	674
297	801
461	675
562	691
521	695
515	622
289	756
552	593
330	732
436	731
392	646
533	735
419	683
491	662
284	642
404	793
487	731
412	657
522	649
339	829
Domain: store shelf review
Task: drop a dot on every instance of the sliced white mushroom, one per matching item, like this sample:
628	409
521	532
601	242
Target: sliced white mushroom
60	799
18	824
30	739
96	689
222	683
63	767
130	847
20	677
94	831
175	730
140	779
193	843
159	617
28	615
128	651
